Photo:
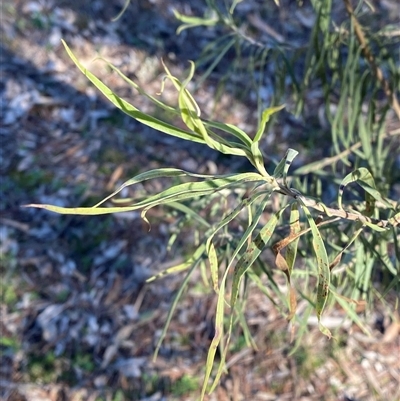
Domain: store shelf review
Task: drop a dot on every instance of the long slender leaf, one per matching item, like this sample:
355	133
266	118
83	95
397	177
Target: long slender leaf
131	110
218	327
291	250
364	178
239	246
231	129
174	194
251	254
267	113
323	268
190	114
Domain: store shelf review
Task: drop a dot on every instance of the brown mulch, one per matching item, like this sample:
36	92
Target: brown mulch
78	321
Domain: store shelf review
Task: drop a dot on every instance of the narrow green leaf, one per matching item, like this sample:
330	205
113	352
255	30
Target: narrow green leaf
153	99
171	270
267	113
249	340
191	22
364	178
218	329
374	193
277	299
252	253
218	56
338	257
291	250
350	311
152	174
282	168
323	268
174	194
190	114
226	220
241	243
250	228
291	154
258	159
231	129
198	135
278	172
213	259
302	329
241	151
189	212
130	109
365	137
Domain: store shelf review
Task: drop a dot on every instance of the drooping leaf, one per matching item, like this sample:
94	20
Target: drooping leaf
267	113
239	246
291	249
174	194
218	330
129	109
364	178
323	268
282	168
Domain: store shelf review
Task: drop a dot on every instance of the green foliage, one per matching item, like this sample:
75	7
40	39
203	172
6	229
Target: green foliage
347	240
43	369
84	362
308	361
10	343
8	295
184	385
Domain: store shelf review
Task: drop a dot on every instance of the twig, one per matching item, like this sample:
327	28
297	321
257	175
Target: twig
341	213
347	215
371	59
328	161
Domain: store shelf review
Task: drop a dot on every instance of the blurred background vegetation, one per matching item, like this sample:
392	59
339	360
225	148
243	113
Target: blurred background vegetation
77	320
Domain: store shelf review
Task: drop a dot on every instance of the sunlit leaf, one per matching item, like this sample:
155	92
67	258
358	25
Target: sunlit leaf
175	193
267	113
130	109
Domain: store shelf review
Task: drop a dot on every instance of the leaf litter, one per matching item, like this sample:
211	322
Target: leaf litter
75	289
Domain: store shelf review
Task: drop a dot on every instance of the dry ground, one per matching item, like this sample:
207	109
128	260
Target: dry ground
77	321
